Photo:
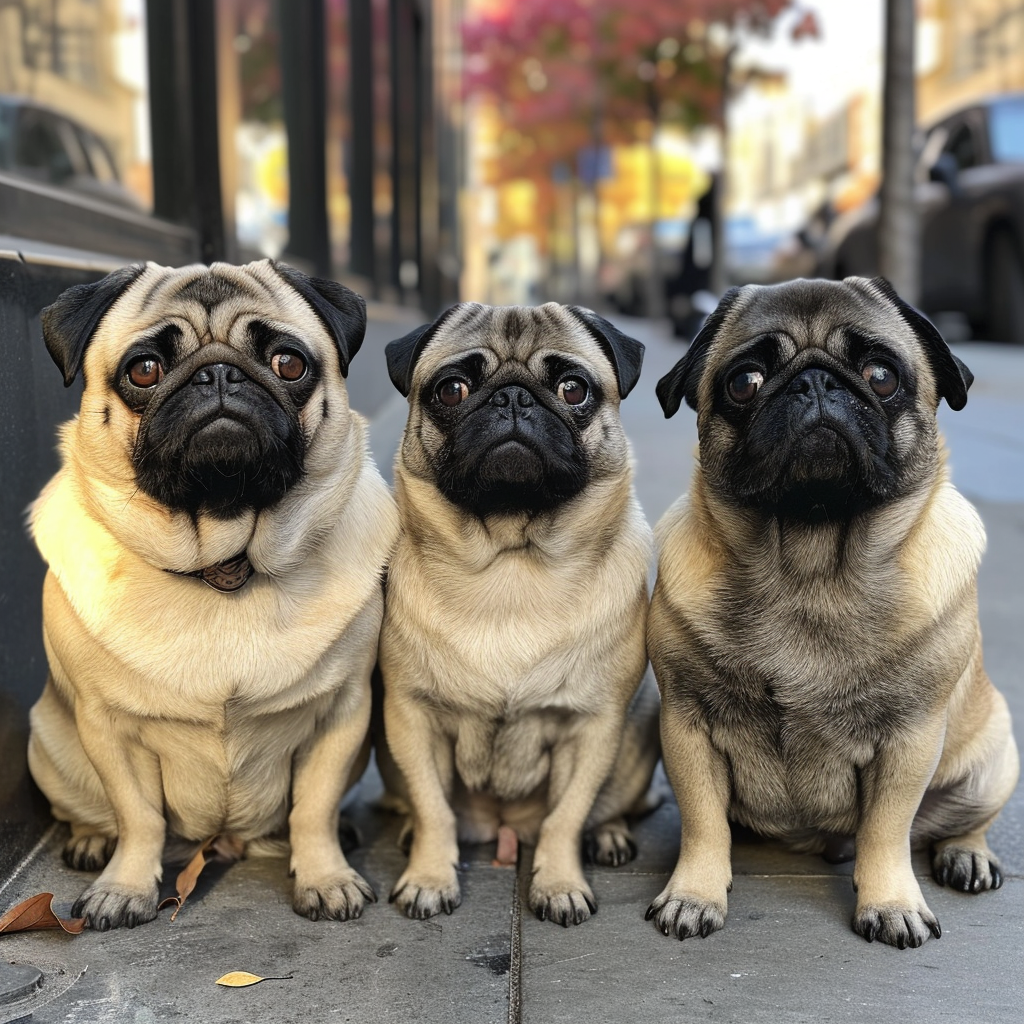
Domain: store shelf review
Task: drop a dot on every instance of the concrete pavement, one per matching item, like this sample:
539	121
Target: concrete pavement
787	952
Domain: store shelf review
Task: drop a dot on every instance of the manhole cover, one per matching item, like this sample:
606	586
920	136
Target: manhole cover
18	981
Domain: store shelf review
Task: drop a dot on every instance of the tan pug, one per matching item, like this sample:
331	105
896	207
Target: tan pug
215	539
814	626
513	643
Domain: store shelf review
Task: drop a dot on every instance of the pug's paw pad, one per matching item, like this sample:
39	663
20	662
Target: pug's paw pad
105	906
88	852
340	898
897	926
969	870
610	845
563	904
686	916
420	897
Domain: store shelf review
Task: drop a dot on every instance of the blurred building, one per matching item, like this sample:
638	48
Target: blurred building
967	49
325	132
795	162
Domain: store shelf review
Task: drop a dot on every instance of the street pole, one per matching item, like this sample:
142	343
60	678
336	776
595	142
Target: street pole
899	253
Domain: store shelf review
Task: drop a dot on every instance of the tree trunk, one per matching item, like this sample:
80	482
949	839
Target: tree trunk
899	251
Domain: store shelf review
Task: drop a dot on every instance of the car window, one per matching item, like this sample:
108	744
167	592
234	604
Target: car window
1006	130
963	144
7	122
99	159
73	147
39	149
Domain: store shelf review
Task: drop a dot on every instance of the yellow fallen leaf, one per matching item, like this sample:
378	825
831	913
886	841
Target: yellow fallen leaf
240	979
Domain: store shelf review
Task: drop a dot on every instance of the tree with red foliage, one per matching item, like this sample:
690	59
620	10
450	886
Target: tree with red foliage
569	73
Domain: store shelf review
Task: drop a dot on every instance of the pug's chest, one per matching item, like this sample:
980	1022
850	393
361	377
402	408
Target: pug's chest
795	718
233	775
789	771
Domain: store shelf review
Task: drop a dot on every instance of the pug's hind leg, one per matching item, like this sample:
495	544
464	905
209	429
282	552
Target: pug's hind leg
88	849
325	885
958	816
966	862
610	844
695	900
430	883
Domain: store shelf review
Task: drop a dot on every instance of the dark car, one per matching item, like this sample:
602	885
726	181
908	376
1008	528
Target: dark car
46	146
970	196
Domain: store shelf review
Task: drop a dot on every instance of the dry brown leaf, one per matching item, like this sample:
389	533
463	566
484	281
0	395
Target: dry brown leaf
36	913
241	979
223	849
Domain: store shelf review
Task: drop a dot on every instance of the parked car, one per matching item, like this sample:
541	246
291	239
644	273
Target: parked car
970	195
45	145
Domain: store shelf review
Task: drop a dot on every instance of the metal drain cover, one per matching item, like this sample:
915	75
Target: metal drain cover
18	981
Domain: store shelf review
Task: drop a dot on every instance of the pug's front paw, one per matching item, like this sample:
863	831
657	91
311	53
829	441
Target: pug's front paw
420	895
564	902
338	898
897	925
105	905
685	915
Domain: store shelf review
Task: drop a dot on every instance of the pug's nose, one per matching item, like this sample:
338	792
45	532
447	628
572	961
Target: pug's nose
814	381
512	396
219	375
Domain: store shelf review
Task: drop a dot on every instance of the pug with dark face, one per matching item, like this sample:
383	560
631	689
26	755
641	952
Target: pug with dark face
513	644
215	539
814	626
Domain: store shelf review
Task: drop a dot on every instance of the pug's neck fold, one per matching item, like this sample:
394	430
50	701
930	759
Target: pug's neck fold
810	550
192	544
444	530
226	577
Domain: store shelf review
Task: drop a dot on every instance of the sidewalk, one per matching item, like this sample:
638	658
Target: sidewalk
787	953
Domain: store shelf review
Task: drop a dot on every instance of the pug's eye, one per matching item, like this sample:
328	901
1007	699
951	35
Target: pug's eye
744	385
288	365
573	391
145	372
881	378
452	391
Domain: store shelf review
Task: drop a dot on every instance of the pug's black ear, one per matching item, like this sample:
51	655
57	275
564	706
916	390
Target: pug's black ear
70	323
626	354
952	377
403	353
339	309
683	379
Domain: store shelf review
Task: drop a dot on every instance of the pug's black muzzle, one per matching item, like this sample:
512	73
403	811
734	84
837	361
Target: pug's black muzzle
512	453
219	442
816	448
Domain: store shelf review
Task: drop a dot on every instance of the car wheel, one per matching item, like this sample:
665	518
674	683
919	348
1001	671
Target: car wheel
1005	292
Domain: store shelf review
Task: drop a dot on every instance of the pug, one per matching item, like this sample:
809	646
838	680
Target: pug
215	539
513	648
814	625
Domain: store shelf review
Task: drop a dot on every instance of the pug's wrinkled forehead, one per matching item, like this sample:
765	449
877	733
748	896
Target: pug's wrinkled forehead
205	304
529	336
849	320
513	334
90	325
817	314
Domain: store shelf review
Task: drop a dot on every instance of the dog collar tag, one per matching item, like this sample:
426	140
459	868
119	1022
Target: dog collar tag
225	577
228	576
